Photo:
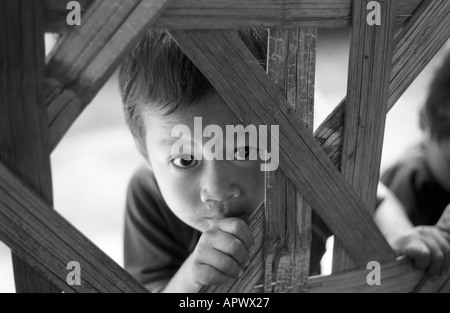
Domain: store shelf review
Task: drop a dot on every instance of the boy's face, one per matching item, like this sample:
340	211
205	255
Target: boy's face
438	159
199	191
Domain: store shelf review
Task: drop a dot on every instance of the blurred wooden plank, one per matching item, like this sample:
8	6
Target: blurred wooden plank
232	14
396	277
86	57
23	118
370	63
416	44
47	242
243	84
291	65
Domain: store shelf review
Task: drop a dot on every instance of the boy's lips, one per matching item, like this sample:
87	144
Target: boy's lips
229	213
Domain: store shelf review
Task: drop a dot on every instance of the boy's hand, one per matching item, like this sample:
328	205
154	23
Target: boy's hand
429	246
221	253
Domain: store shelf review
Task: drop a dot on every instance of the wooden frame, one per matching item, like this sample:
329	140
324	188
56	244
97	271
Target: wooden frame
86	57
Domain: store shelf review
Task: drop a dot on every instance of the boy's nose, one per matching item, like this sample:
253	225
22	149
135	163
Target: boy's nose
219	191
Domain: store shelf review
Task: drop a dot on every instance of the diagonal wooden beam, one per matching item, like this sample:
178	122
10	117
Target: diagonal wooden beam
86	57
23	118
366	108
232	14
415	45
291	65
46	241
241	81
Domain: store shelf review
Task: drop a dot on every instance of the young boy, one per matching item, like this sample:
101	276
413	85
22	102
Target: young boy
185	221
421	181
186	218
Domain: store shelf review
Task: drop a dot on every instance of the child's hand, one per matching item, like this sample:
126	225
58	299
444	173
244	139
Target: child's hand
222	252
429	246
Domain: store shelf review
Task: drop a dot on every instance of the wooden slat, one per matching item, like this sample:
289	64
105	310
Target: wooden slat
232	14
291	65
371	50
423	36
47	242
23	118
238	77
86	57
396	277
253	274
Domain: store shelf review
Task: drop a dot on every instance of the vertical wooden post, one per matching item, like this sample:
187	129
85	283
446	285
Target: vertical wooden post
366	109
23	115
291	65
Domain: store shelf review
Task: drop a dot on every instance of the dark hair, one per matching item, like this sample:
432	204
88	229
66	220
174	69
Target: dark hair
158	74
435	116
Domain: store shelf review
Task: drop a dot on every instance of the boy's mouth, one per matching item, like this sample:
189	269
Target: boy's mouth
231	212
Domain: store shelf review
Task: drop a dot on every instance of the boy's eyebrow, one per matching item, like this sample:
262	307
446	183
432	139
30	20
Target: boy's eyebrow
171	141
168	142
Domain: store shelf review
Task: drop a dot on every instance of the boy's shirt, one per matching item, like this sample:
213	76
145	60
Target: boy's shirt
157	243
412	182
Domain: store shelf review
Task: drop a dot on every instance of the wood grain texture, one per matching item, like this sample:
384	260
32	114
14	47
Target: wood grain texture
415	45
240	80
370	62
23	119
231	14
291	65
87	56
396	277
46	241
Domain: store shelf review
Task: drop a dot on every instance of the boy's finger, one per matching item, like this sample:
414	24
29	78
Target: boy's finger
436	255
444	223
418	252
232	246
238	228
208	275
445	250
223	263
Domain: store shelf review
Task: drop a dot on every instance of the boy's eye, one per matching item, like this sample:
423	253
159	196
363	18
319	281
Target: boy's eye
245	153
185	161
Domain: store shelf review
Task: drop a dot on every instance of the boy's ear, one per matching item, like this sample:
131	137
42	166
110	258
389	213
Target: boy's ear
142	150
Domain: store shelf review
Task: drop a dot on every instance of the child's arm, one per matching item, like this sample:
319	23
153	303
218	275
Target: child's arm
221	254
427	246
